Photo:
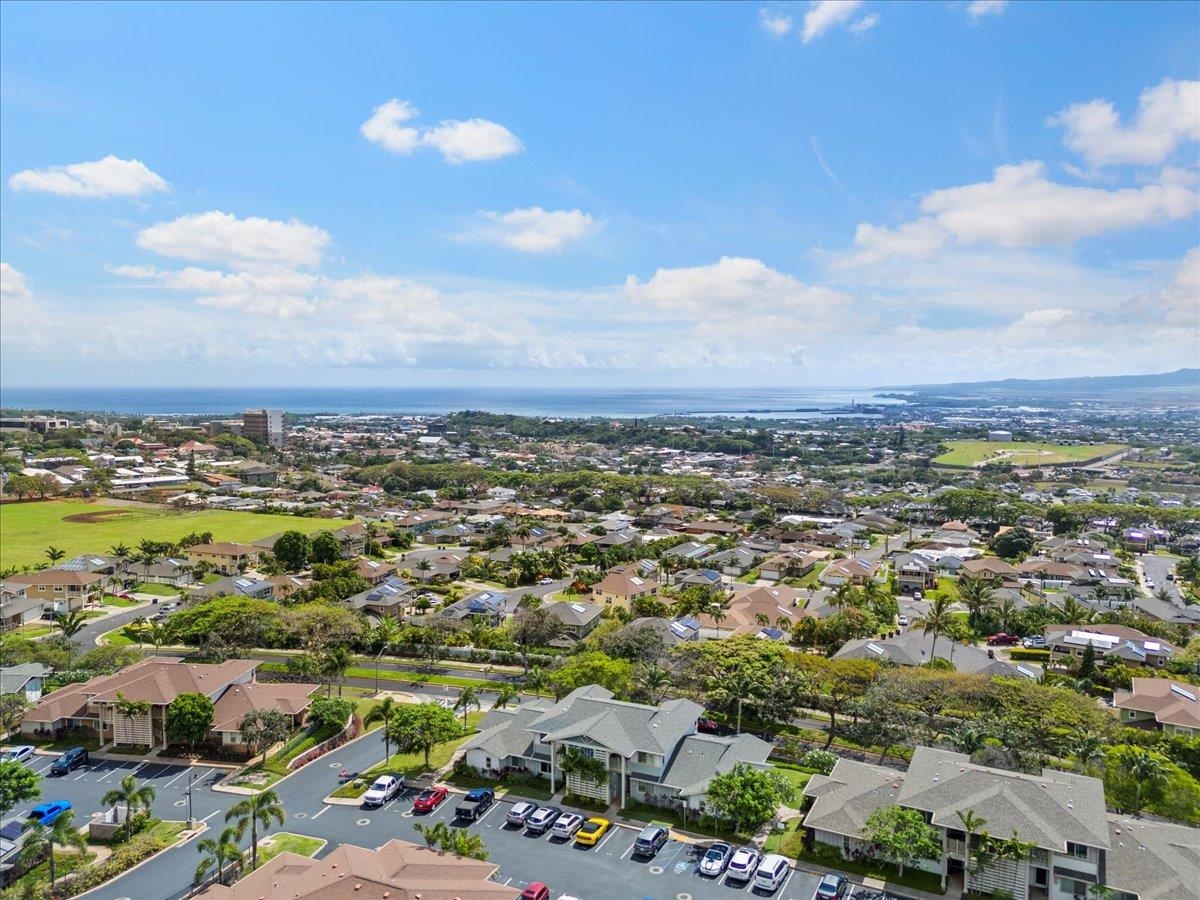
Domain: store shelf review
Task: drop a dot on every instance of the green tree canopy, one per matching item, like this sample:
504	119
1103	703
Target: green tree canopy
293	549
18	784
902	835
189	718
747	797
592	667
419	726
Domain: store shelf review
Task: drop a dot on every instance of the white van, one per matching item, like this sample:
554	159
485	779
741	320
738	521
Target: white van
772	872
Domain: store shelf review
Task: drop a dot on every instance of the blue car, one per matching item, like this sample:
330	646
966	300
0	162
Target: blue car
46	813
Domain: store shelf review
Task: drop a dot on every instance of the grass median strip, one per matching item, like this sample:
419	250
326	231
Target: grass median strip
286	842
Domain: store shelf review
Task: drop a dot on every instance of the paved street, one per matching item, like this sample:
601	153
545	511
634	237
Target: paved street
1156	568
600	873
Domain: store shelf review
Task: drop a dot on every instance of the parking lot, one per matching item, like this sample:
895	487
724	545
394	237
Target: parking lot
604	872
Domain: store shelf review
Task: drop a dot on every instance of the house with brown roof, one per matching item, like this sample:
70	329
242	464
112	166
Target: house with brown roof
373	570
1109	643
768	612
399	870
622	585
227	559
239	699
852	570
60	591
93	704
992	567
1160	703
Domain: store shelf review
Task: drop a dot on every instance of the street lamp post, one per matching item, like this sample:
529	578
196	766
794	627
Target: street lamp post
191	823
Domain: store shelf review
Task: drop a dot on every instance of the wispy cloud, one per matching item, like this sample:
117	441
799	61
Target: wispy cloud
829	171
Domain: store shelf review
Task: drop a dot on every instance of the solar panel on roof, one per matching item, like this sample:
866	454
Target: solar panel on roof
578	608
243	582
12	830
1187	695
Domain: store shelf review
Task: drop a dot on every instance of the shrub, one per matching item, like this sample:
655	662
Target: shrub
1028	654
819	761
330	712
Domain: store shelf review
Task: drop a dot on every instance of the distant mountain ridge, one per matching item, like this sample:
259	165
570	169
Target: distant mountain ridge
1180	379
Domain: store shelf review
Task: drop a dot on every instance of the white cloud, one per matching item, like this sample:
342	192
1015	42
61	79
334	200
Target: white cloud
12	284
977	9
1020	207
1168	115
1177	304
224	238
278	294
108	177
732	287
775	24
865	24
823	15
920	238
386	128
535	230
473	140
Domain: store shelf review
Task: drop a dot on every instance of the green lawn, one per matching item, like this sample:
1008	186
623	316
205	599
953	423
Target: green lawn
797	776
32	630
158	590
285	841
786	841
119	602
1021	453
408	764
26	529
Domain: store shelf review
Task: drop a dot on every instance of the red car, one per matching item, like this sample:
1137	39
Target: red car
1003	640
536	891
429	799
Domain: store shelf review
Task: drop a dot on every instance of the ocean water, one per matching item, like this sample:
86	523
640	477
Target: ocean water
762	402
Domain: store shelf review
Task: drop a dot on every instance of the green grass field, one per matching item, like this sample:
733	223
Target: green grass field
1021	453
27	529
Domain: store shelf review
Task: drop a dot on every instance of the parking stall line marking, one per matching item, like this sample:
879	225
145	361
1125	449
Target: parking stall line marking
627	850
783	887
210	815
322	812
177	777
607	838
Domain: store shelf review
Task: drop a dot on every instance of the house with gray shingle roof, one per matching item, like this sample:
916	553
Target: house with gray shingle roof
651	753
1076	843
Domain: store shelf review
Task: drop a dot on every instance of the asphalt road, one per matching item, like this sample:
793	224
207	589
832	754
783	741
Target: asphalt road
605	872
1156	568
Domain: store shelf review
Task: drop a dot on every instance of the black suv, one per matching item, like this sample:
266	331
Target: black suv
72	759
475	804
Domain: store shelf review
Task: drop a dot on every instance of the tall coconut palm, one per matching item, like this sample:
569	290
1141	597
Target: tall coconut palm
972	824
220	853
978	595
1006	612
936	620
1072	612
259	809
468	697
121	553
433	834
70	624
505	695
134	798
334	665
383	711
1146	769
54	554
40	840
652	682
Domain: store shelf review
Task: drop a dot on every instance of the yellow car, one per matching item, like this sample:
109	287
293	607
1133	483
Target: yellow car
591	831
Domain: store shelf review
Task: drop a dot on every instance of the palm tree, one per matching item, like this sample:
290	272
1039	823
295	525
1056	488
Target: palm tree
220	852
1006	612
1088	748
157	634
40	840
937	620
122	553
382	712
54	554
70	624
972	823
653	681
133	797
843	595
129	709
463	843
1145	769
257	809
505	695
334	666
718	615
978	595
423	566
467	698
433	834
1072	612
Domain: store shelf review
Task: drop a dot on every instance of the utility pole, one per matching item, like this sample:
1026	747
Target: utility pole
191	823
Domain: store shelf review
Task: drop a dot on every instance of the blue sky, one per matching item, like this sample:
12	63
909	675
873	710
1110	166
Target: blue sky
789	193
